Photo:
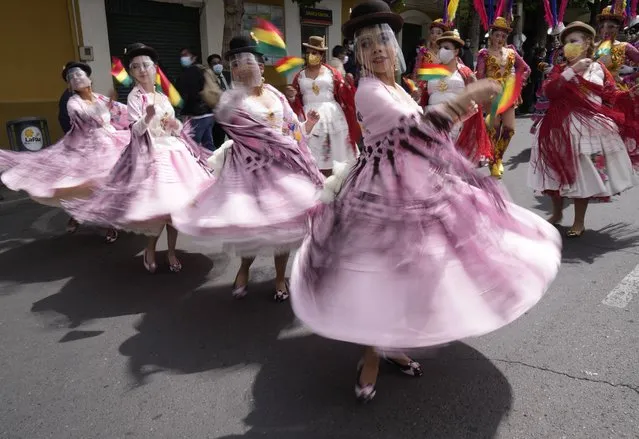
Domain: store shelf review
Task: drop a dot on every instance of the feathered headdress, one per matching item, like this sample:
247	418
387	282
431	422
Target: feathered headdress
450	12
617	11
554	16
488	14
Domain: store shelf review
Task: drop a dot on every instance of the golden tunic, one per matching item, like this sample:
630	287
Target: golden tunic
615	60
494	70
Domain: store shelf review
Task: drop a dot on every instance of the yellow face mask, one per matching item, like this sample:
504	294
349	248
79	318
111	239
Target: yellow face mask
314	59
573	50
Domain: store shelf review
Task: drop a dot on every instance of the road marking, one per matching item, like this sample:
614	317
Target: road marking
43	223
622	294
296	330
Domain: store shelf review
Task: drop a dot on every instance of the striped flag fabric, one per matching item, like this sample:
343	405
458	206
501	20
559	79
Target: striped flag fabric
119	72
288	64
507	97
162	84
428	72
269	38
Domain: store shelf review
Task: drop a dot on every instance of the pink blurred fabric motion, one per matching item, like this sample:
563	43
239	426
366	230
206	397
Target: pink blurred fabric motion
79	162
160	172
267	182
418	249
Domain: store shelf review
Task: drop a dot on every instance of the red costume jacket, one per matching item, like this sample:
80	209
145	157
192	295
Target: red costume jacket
344	93
556	151
473	140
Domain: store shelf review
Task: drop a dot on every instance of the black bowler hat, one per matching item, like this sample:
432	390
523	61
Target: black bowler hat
73	64
369	13
242	44
139	49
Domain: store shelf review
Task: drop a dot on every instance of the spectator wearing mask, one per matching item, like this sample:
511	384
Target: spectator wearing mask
223	78
339	59
467	55
350	66
190	85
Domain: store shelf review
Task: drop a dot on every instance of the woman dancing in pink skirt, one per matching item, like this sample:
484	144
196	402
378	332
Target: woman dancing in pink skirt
266	180
82	159
417	248
159	173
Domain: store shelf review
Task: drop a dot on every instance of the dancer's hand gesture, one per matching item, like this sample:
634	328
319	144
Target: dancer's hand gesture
150	113
172	124
582	65
311	120
290	92
482	91
113	96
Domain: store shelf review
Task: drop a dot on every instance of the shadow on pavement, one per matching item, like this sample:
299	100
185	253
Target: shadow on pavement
104	280
120	286
522	158
596	243
304	388
64	256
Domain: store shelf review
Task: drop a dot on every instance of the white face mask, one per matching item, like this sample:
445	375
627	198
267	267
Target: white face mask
446	55
218	68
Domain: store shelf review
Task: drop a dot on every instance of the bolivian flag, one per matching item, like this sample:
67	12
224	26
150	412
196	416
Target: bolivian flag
507	97
287	64
162	84
269	38
119	72
428	72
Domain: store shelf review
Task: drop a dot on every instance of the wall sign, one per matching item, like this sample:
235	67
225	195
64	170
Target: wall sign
322	17
32	138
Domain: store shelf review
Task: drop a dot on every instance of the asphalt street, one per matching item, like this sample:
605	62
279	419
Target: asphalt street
94	347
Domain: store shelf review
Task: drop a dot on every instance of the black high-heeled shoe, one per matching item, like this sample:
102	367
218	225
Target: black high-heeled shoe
111	236
413	368
363	393
176	267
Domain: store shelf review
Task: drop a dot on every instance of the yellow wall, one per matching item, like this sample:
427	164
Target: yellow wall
346	5
38	39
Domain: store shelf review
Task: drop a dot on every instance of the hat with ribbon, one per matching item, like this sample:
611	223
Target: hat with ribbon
453	37
501	24
579	26
316	43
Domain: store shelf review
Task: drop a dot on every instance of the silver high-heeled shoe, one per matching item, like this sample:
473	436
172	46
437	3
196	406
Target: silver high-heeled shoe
150	267
364	393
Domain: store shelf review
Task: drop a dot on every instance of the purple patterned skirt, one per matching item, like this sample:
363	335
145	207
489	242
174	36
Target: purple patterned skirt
419	249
